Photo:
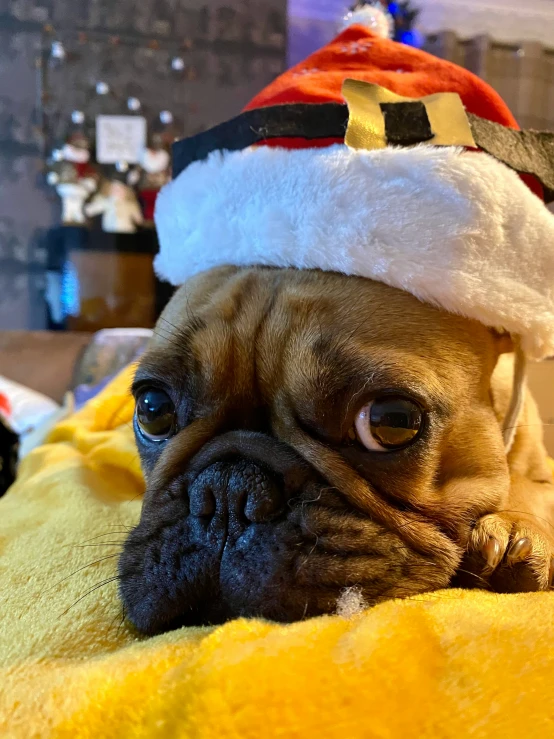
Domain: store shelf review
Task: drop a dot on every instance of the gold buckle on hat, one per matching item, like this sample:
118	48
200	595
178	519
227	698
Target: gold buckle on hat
380	118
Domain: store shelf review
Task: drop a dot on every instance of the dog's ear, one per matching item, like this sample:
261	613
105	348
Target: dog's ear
504	342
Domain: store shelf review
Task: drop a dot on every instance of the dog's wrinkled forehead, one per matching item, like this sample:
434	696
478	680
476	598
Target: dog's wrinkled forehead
246	334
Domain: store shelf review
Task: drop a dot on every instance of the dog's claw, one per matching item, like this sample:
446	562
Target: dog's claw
492	553
520	550
518	555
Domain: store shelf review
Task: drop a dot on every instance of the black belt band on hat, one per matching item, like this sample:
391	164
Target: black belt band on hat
298	120
527	152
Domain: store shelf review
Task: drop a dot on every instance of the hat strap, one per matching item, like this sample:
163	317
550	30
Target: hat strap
509	426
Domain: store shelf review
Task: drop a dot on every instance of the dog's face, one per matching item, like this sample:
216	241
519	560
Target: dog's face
302	433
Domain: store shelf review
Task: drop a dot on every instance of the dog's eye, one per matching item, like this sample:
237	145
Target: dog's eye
388	423
155	415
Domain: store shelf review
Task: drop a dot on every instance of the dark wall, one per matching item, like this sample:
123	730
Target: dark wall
232	48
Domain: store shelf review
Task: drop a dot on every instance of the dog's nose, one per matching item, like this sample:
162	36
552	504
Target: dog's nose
243	489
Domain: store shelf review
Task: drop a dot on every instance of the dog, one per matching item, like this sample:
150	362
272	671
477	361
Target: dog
9	450
303	433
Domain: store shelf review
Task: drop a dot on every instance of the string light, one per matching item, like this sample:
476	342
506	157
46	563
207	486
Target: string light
412	38
52	178
178	64
57	50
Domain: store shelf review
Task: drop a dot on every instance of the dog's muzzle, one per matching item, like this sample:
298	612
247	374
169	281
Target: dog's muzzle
223	540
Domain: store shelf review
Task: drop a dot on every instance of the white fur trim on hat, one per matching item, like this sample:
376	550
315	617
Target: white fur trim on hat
456	229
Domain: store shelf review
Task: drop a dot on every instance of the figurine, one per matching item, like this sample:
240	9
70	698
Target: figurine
75	179
116	202
155	166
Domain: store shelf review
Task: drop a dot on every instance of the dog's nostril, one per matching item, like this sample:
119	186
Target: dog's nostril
202	501
264	499
240	489
260	509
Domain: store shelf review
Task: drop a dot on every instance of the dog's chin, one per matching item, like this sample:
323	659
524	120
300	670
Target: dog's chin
201	557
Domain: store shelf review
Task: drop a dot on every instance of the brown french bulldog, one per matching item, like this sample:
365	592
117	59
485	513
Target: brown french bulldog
303	432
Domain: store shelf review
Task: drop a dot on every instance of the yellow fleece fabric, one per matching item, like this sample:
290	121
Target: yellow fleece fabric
445	664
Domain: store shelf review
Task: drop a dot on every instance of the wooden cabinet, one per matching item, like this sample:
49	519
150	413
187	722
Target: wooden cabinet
103	280
115	290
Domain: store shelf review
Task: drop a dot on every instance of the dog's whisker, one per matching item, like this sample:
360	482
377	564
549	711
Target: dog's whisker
171	339
80	569
89	592
101	544
178	337
172	325
123	617
107	533
476	576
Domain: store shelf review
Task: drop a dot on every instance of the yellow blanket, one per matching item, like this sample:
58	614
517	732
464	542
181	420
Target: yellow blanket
448	664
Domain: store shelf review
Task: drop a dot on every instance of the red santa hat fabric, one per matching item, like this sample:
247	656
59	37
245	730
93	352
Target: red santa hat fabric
359	54
456	228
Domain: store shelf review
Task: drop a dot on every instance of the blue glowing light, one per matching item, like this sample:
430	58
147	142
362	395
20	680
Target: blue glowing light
411	38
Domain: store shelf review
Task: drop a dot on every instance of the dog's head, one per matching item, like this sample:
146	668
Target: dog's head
302	433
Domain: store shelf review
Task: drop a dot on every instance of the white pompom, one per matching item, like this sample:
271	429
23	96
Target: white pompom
374	17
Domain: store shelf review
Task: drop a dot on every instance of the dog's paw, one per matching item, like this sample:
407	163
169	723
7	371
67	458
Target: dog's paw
508	553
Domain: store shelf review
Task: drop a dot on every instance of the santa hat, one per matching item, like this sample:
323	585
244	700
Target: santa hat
396	186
